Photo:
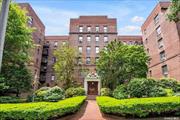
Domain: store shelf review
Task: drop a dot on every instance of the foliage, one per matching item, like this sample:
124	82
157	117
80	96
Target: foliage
119	63
140	107
40	110
141	87
105	92
65	64
10	99
157	91
18	43
72	92
174	11
120	92
170	83
49	94
169	92
3	85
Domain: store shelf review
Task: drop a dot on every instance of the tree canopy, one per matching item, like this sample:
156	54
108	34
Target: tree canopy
174	14
66	60
17	47
119	63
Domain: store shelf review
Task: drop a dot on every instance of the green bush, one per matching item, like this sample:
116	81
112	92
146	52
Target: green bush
40	110
10	99
169	92
105	92
143	87
72	92
49	94
170	83
120	92
140	107
157	91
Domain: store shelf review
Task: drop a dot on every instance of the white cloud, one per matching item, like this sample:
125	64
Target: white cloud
137	19
130	29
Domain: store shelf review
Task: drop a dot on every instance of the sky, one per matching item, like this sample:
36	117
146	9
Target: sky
56	14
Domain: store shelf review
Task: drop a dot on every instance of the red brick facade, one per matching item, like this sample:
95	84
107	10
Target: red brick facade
161	40
90	34
38	38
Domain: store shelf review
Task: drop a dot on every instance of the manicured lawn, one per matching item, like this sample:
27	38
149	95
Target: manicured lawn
41	110
140	107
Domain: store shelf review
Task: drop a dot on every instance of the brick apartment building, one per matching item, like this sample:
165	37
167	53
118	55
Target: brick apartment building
38	38
90	34
162	42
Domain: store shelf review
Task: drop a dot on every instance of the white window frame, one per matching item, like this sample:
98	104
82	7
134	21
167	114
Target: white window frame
88	28
105	29
97	29
97	49
106	39
80	28
88	38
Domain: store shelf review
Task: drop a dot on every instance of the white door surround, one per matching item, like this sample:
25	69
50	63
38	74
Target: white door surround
92	77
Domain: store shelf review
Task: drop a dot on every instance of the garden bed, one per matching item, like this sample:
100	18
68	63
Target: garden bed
140	107
41	110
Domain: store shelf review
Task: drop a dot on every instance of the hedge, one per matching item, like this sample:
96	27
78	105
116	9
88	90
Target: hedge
139	107
40	110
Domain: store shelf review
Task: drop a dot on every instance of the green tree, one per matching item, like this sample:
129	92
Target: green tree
65	64
174	14
16	56
120	63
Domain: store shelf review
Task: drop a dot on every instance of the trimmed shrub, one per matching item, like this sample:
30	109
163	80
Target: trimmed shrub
120	92
140	107
169	92
105	92
10	99
170	83
141	87
49	94
40	110
72	92
157	91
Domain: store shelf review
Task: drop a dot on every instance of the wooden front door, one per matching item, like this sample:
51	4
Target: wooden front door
92	88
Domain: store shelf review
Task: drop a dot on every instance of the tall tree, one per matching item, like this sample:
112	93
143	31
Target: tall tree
174	13
120	63
18	43
65	64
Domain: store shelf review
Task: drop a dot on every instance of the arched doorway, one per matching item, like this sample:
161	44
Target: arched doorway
92	84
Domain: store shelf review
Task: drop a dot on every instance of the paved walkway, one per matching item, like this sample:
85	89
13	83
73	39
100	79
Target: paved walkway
89	111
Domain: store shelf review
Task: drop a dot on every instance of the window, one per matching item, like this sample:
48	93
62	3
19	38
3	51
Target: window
64	43
80	28
158	30
162	56
150	73
79	60
89	28
96	59
146	41
97	50
160	43
88	60
30	20
105	39
165	70
105	29
38	51
145	31
97	28
39	41
53	59
147	50
80	39
80	49
88	50
52	77
89	38
156	19
97	39
55	44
